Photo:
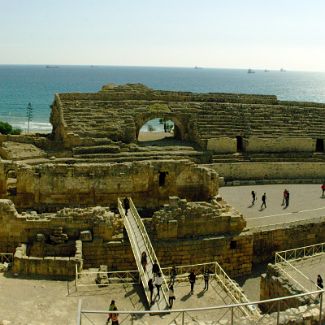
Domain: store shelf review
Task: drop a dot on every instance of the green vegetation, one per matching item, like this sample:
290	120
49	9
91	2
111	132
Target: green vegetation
6	128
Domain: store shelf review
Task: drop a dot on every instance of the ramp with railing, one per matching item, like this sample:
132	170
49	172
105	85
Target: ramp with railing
140	242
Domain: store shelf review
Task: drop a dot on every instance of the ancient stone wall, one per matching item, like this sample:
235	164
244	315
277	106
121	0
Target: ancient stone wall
214	121
233	253
270	239
182	219
274	284
148	183
245	171
23	228
60	267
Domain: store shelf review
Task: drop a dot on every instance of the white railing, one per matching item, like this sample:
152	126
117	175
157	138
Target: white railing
88	278
284	258
6	257
222	278
301	252
151	253
182	313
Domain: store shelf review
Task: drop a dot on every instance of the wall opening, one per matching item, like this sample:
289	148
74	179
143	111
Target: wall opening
240	145
319	145
162	178
158	129
233	244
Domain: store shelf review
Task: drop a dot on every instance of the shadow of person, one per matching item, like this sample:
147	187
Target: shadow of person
201	293
186	297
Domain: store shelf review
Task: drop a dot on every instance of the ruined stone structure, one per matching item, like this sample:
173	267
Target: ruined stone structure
222	123
58	192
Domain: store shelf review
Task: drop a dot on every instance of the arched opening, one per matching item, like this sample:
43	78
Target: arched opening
159	129
319	145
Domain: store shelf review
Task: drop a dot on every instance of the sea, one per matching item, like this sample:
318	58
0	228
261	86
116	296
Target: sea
37	84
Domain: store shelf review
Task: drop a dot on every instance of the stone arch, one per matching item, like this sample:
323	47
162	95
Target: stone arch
180	125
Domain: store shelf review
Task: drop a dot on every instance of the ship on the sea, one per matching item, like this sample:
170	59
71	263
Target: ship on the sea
250	71
51	66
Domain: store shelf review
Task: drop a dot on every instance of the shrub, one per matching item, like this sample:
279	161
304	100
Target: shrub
6	128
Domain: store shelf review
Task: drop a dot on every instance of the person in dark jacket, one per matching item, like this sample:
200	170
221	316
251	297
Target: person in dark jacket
192	279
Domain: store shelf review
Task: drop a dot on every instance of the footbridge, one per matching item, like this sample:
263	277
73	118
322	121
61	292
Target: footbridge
140	242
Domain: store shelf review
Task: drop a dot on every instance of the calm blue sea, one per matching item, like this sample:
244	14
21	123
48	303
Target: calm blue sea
20	85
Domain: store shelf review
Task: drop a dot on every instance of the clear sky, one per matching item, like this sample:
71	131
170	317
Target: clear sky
209	33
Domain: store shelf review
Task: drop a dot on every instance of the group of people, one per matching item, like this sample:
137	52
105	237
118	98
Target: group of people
254	199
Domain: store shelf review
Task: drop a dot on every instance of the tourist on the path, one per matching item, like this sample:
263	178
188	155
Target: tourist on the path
151	288
206	276
111	308
155	268
158	283
320	281
192	279
173	274
126	204
323	189
171	296
253	197
287	199
115	317
263	201
144	260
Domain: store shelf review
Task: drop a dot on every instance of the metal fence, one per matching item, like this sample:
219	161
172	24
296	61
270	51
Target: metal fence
181	315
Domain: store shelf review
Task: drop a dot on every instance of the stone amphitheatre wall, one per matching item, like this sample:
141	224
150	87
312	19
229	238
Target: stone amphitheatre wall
259	171
213	121
149	183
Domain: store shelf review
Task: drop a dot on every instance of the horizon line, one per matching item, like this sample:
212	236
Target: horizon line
198	67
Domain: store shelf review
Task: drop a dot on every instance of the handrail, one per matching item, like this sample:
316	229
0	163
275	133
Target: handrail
296	270
137	258
288	253
152	254
201	309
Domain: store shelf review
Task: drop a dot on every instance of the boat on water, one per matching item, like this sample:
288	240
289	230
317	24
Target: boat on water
282	70
266	70
250	71
51	66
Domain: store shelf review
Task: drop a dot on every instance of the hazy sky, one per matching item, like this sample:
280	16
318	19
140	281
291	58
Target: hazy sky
209	33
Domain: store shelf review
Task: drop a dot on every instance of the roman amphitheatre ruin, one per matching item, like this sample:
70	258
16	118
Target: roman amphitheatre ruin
62	215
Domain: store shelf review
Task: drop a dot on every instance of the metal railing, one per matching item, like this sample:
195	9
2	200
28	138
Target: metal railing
301	252
283	260
151	253
88	278
6	257
222	278
183	313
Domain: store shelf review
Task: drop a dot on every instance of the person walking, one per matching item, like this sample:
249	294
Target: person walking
115	316
110	308
144	260
323	189
320	281
206	276
155	268
151	288
253	197
171	296
263	201
126	204
287	199
173	274
284	197
192	279
158	283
